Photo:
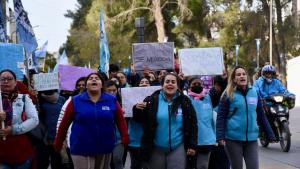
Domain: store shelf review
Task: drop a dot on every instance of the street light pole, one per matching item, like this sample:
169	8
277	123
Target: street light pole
271	31
258	50
237	47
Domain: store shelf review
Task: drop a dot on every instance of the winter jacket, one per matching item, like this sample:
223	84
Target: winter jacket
180	105
238	118
49	116
267	89
17	147
93	126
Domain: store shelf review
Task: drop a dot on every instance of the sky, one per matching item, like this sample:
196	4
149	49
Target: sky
48	21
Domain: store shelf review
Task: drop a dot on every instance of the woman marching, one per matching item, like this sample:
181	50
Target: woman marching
19	116
240	112
204	106
94	114
170	131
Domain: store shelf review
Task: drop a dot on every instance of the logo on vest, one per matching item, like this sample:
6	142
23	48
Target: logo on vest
252	100
105	108
179	111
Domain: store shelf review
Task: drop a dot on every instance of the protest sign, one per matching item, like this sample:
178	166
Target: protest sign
45	81
153	56
68	75
12	56
201	61
132	96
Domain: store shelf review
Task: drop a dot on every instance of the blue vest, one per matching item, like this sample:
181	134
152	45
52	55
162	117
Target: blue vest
242	117
169	131
205	121
93	125
135	133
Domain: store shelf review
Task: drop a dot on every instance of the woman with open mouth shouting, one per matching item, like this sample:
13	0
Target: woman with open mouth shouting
170	131
240	112
94	114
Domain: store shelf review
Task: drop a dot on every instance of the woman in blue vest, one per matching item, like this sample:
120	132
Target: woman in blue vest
135	128
204	103
94	114
170	131
240	112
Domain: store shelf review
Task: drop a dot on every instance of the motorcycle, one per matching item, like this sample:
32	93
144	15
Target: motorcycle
277	111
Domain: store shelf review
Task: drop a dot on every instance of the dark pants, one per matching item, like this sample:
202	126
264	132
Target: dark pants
44	154
238	151
135	157
218	159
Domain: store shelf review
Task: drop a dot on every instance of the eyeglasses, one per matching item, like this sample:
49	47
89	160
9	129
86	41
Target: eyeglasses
8	79
121	77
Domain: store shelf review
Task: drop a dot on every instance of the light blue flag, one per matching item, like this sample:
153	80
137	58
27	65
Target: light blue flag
25	32
104	51
3	37
41	53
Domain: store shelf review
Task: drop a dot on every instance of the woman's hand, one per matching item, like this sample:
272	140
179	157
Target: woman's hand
222	142
5	132
141	106
190	152
2	116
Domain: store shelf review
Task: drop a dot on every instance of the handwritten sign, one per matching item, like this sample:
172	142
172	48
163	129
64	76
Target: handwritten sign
132	96
46	81
201	61
11	57
68	75
154	56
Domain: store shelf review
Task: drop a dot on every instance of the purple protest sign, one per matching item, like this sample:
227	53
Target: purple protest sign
68	75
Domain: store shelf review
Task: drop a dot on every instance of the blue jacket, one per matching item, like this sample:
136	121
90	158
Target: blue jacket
93	129
205	121
237	118
49	116
267	89
135	131
168	125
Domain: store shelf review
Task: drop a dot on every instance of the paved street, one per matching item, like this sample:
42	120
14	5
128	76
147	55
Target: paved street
273	158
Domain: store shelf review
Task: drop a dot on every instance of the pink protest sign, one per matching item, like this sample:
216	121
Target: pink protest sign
68	75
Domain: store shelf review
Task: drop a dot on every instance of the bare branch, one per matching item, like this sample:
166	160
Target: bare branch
285	3
184	10
168	2
124	13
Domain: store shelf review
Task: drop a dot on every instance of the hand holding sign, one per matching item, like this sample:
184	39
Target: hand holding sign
154	56
202	61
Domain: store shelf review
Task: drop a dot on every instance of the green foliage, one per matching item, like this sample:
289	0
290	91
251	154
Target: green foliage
190	27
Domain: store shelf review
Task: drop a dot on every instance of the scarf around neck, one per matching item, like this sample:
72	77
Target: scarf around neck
7	100
197	96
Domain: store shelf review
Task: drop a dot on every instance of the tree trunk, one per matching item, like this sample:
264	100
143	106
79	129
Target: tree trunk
281	60
159	20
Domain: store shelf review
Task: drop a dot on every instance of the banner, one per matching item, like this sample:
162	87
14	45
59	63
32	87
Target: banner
104	51
68	75
12	57
201	61
153	56
133	95
25	32
45	81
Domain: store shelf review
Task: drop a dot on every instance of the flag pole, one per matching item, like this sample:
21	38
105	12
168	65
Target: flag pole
1	110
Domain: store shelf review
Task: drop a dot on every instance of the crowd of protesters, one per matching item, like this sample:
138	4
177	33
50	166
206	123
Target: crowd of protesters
191	122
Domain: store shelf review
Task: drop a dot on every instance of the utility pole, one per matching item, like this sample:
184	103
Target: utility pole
271	31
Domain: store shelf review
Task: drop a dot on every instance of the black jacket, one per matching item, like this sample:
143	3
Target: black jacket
149	123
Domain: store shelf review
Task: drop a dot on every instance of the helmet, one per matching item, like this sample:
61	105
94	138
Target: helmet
268	69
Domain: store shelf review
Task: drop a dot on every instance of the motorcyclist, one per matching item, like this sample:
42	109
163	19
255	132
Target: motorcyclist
268	85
